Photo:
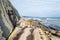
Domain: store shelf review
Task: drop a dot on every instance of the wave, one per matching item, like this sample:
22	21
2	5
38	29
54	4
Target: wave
43	18
52	19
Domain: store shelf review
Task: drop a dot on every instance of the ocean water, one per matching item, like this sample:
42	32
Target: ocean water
47	20
51	20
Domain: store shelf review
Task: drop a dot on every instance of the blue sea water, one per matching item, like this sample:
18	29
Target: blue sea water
48	20
54	22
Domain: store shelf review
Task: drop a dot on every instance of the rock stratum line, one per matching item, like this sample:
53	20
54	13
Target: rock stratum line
39	31
15	27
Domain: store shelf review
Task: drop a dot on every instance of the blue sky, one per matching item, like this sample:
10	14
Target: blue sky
37	8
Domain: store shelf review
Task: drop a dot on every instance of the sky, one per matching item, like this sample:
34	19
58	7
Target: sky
37	8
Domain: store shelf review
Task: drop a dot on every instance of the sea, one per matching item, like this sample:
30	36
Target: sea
47	20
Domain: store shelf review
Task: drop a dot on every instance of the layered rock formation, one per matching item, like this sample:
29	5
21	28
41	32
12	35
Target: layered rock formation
29	29
8	17
14	27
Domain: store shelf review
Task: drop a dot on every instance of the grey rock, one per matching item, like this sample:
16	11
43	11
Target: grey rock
1	32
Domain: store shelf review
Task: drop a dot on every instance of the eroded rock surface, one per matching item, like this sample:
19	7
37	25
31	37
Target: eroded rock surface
29	29
1	36
14	27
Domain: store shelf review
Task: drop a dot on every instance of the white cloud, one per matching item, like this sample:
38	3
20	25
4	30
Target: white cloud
40	7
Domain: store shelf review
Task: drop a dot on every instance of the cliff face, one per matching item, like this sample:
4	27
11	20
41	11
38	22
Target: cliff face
1	37
8	17
24	29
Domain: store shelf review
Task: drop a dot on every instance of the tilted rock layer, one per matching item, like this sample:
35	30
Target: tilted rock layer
14	27
29	29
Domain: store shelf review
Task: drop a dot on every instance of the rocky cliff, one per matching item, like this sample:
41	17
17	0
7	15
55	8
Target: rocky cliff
14	27
8	17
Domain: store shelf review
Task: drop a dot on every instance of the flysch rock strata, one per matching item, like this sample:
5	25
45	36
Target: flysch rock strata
30	31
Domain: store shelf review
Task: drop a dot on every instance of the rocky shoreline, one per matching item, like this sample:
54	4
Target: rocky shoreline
39	32
15	27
